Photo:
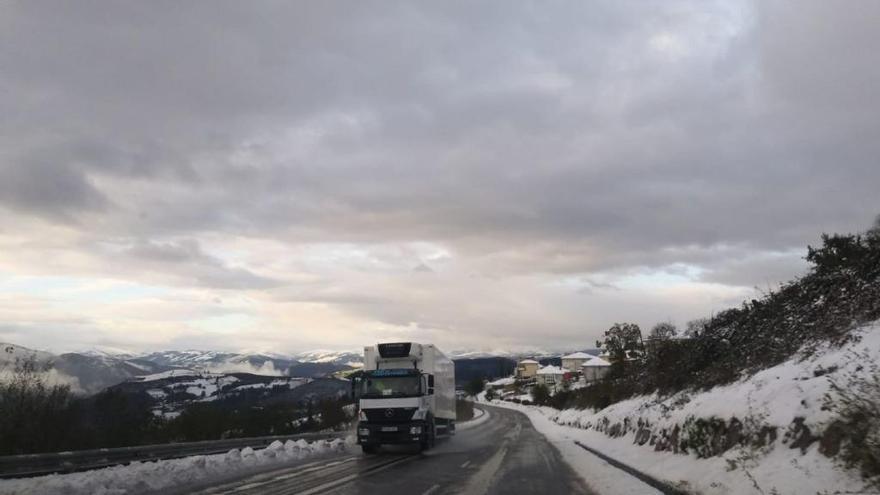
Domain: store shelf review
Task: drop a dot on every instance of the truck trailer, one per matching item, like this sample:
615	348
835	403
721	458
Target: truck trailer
406	396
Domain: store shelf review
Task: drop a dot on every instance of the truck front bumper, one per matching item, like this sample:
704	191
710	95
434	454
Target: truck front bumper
390	433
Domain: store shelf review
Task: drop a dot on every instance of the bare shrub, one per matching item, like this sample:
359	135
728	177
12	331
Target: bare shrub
33	413
855	399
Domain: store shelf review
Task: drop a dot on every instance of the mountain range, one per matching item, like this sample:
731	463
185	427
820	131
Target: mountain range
91	371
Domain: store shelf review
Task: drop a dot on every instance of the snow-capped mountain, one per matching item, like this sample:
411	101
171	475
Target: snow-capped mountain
224	362
513	354
189	359
10	353
86	373
354	359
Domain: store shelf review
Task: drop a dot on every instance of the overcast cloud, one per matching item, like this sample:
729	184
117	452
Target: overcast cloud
292	175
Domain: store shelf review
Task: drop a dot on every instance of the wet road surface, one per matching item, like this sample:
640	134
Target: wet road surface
501	455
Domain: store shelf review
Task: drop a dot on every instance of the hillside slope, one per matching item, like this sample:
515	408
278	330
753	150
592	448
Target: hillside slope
778	431
780	395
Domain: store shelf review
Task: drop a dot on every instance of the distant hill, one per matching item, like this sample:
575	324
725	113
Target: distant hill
86	373
353	359
489	368
170	392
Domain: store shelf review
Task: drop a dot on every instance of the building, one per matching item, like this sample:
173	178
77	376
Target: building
526	369
595	369
551	376
573	362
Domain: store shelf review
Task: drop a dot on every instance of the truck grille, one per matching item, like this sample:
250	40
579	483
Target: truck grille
390	415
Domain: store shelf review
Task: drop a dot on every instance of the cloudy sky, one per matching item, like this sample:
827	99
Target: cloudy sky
484	175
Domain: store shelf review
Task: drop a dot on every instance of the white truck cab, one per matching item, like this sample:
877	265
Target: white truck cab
406	395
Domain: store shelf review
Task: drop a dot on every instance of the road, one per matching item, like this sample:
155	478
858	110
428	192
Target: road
503	455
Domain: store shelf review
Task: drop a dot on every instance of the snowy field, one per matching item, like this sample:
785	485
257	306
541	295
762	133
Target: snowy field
162	476
773	397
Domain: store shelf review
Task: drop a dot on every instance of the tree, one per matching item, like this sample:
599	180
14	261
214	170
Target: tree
839	252
663	330
697	327
490	394
540	394
332	412
34	414
623	341
474	387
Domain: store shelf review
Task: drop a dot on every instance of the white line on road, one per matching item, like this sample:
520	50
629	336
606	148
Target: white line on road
352	477
466	463
431	490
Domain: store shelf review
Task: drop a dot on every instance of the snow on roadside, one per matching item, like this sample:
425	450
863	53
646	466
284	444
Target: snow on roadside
773	397
159	476
601	477
477	420
509	380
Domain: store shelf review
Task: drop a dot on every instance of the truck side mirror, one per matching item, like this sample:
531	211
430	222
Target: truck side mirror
430	384
355	386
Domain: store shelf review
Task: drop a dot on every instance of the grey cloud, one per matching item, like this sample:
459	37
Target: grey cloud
560	139
763	272
423	268
524	126
186	260
49	189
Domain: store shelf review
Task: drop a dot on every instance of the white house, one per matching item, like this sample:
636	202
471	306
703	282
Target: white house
595	369
551	376
573	362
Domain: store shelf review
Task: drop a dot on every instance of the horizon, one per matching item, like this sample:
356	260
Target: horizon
490	176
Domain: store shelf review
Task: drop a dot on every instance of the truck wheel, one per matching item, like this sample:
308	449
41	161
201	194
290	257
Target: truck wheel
430	435
369	449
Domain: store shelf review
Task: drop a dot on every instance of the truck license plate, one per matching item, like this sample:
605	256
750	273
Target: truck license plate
389	428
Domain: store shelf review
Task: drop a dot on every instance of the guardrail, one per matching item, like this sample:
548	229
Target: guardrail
27	465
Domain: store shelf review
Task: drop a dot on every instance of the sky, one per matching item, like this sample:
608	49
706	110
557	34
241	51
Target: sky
486	175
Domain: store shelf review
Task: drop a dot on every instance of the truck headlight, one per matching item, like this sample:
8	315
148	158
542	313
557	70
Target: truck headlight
415	430
362	416
364	431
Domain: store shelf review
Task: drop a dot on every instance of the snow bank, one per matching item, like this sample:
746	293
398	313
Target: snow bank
480	417
158	476
600	476
502	382
774	399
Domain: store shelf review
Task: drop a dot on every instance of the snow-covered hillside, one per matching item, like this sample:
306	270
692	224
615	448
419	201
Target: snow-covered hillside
772	432
355	359
85	373
171	391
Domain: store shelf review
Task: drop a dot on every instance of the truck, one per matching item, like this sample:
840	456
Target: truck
406	395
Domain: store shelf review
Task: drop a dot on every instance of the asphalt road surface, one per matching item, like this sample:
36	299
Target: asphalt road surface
503	455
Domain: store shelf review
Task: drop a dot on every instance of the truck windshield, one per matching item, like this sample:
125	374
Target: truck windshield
391	386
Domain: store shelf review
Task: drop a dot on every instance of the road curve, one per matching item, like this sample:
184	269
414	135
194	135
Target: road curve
503	455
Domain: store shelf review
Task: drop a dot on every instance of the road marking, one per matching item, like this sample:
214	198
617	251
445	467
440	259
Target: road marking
466	463
270	477
431	490
480	483
352	477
